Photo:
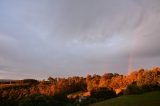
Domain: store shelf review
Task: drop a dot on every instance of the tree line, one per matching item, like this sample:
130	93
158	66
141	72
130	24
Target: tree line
54	91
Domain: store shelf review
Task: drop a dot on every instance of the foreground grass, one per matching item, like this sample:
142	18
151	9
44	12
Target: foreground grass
146	99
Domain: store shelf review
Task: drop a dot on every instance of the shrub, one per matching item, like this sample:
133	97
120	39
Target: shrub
39	100
103	93
132	89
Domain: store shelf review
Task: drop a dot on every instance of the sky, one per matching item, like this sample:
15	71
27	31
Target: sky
61	38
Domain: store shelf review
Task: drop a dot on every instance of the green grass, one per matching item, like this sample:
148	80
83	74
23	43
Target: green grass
146	99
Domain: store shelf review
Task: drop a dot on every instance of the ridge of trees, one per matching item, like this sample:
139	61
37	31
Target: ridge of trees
105	86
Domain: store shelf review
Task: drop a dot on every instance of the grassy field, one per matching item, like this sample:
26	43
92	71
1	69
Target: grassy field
146	99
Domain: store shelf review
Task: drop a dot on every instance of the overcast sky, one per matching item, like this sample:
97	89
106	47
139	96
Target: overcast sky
60	38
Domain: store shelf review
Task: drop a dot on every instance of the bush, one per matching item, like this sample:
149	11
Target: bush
132	89
39	100
103	93
151	87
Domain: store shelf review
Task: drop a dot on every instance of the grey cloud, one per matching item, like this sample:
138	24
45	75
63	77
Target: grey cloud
64	38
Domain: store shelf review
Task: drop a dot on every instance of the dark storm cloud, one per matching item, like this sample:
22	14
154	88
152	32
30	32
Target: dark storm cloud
70	37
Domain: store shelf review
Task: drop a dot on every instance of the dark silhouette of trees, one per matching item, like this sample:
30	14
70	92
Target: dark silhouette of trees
133	89
41	100
103	93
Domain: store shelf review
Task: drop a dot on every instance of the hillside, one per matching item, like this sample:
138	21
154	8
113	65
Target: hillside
82	90
146	99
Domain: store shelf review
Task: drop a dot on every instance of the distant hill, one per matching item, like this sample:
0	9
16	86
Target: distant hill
146	99
5	80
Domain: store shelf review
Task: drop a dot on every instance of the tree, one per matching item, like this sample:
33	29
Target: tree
103	93
40	100
51	79
132	89
89	83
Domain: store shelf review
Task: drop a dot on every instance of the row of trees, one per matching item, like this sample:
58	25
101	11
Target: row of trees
98	86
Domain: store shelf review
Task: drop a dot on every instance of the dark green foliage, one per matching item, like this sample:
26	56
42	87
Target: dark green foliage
8	103
151	87
31	81
61	100
103	93
38	100
133	89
